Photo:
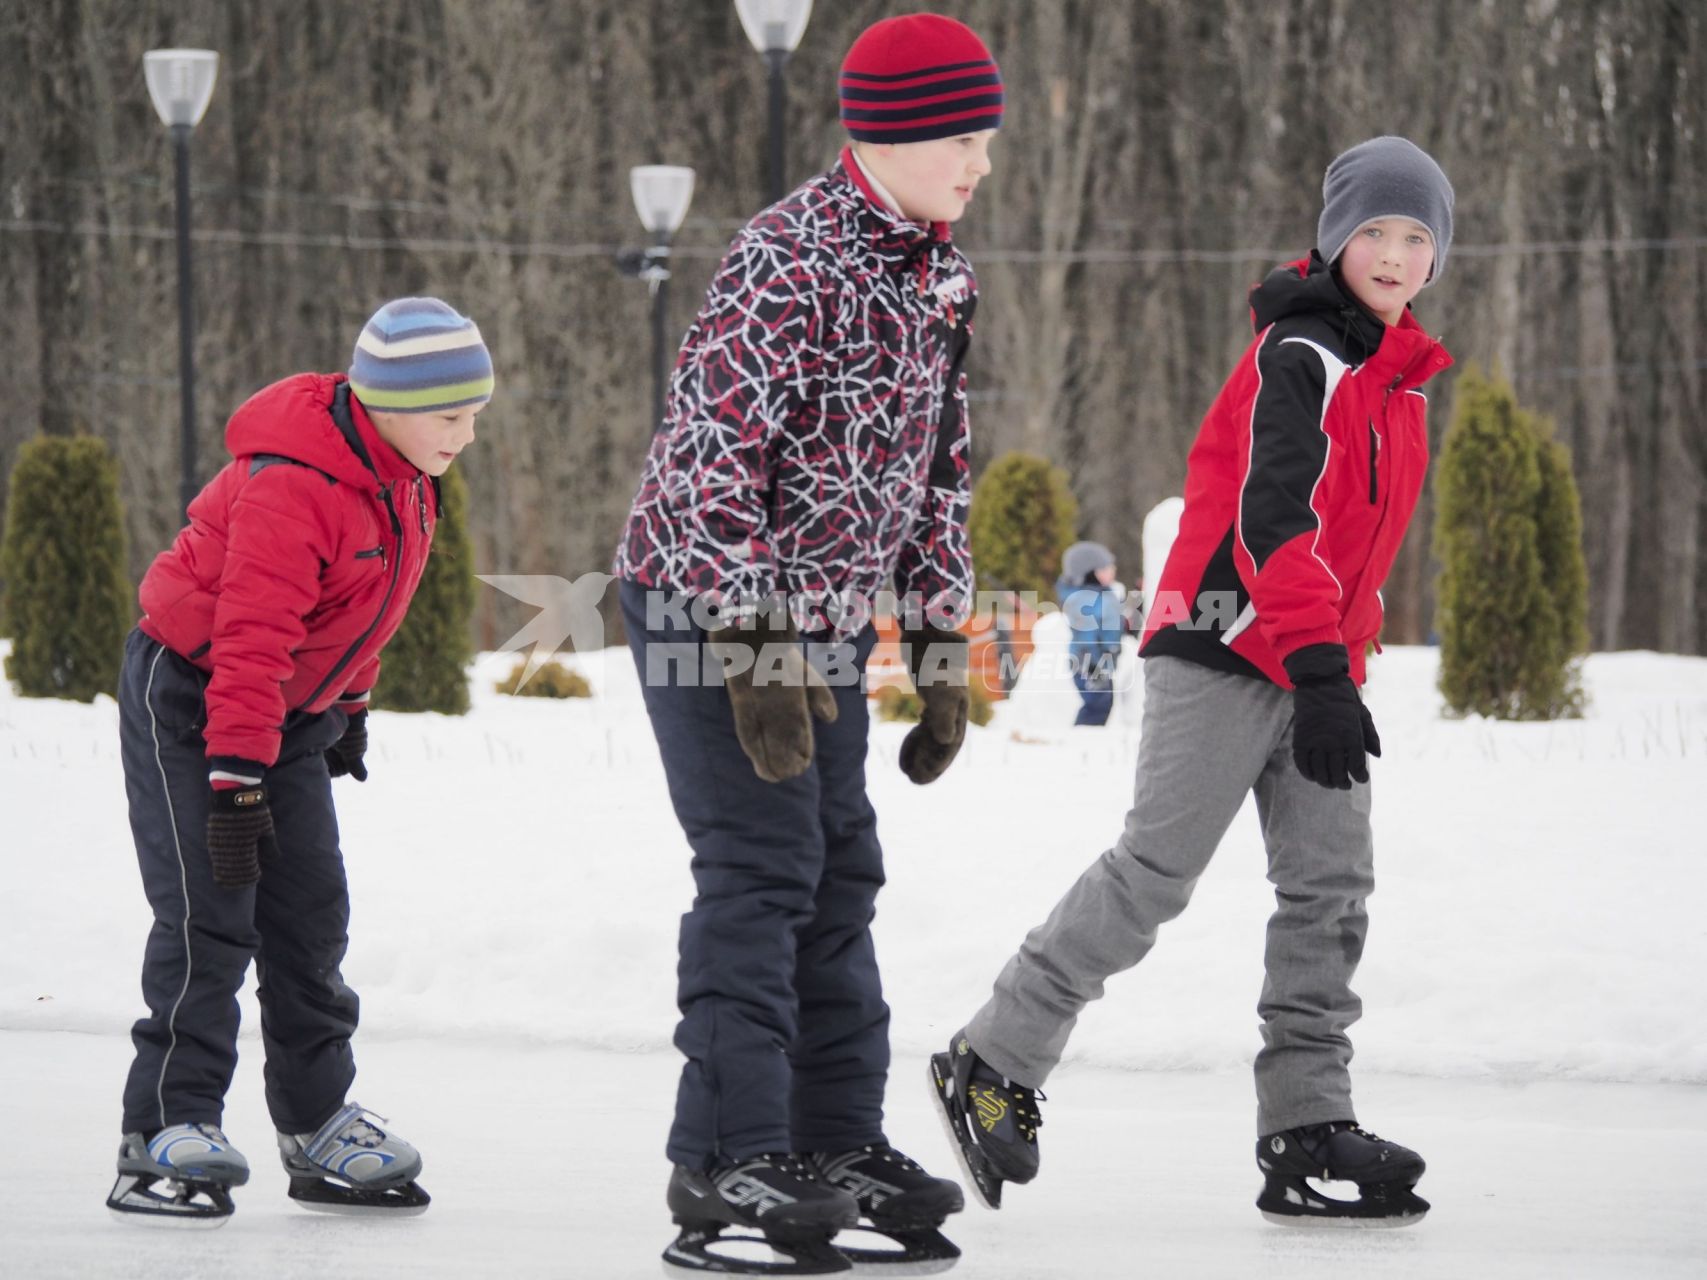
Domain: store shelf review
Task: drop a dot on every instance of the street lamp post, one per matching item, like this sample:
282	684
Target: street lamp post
180	81
662	193
774	27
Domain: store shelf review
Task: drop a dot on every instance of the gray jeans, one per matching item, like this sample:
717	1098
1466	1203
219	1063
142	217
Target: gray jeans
1208	739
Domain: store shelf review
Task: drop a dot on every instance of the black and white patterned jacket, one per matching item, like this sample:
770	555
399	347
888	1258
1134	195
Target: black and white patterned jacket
815	435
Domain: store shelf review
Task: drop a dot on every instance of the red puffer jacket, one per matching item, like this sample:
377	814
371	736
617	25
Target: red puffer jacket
1300	484
297	566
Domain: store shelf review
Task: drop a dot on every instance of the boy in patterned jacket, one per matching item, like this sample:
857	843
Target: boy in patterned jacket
814	448
1298	492
242	695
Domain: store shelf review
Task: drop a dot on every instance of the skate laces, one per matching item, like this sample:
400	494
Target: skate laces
787	1163
876	1150
1027	1118
1322	1132
889	1155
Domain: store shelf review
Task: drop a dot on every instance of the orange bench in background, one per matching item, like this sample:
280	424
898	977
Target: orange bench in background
886	668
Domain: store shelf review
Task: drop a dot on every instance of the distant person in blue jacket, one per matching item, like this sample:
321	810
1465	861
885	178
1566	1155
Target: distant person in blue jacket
1092	604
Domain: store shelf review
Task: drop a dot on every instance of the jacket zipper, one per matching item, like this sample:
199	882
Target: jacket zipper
384	604
1374	439
1374	450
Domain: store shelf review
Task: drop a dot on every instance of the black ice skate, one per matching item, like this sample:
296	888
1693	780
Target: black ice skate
181	1177
779	1198
991	1122
898	1202
1384	1172
351	1165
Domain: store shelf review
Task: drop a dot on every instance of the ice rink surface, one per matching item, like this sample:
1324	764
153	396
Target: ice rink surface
548	1162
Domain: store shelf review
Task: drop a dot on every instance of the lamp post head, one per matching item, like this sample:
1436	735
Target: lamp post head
774	26
662	193
181	83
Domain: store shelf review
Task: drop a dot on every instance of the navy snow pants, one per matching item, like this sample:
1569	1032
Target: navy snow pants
783	1023
292	924
1097	699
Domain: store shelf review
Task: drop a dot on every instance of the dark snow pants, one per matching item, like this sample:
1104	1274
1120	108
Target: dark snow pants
1096	699
292	924
783	1024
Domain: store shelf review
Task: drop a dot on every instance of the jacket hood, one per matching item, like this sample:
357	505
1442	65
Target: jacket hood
293	419
1308	288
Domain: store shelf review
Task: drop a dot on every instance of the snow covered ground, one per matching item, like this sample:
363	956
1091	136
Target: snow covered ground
1535	985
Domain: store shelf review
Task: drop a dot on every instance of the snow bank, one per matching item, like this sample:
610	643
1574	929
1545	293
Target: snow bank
517	874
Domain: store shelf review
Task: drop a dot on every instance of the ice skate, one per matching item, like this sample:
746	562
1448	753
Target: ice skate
787	1211
991	1121
182	1176
351	1165
901	1209
1384	1172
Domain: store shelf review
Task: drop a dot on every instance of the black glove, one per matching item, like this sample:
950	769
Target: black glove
937	661
1332	731
239	835
774	693
345	755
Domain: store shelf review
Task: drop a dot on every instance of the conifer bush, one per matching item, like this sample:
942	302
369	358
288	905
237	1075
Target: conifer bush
1513	594
552	680
899	702
425	665
66	603
1023	517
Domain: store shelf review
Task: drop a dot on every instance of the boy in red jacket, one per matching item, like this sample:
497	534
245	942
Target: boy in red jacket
243	694
1298	492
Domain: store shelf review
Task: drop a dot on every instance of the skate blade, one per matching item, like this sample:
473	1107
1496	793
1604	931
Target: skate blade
918	1251
183	1205
1301	1202
986	1187
325	1196
699	1250
1340	1222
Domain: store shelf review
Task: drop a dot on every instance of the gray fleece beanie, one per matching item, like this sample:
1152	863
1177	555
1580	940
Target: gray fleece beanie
1083	559
1384	178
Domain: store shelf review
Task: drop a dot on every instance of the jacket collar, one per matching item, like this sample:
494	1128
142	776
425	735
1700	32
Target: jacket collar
898	240
388	464
1403	351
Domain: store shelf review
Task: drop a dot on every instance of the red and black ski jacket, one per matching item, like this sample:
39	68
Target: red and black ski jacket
1300	484
815	437
297	565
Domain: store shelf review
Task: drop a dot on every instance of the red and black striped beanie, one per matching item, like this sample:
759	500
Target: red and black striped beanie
919	77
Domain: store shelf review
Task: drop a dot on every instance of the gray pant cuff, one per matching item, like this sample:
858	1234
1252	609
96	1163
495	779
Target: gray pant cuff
1297	1116
989	1048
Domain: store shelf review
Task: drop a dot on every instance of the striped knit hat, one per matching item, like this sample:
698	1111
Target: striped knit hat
417	355
917	78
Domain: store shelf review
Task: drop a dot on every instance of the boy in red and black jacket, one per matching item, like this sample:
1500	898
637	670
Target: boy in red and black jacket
1298	492
243	693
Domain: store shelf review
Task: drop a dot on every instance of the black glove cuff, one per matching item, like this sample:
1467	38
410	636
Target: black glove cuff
1317	662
